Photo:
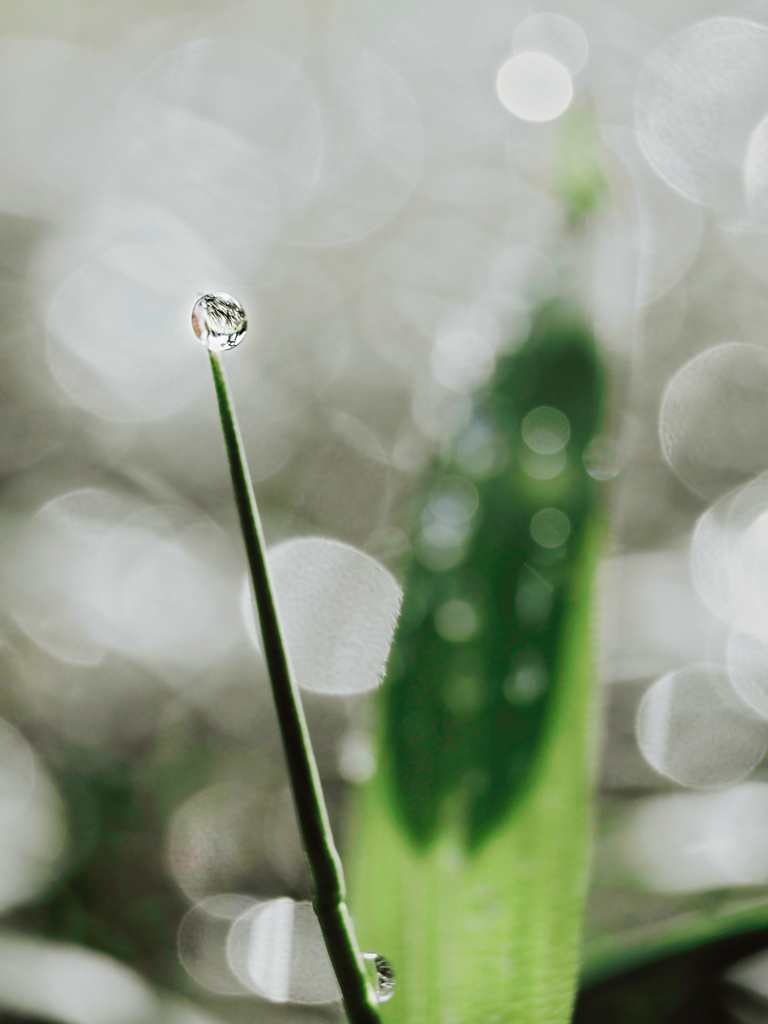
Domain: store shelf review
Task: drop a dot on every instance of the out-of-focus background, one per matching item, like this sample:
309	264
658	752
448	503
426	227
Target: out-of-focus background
381	185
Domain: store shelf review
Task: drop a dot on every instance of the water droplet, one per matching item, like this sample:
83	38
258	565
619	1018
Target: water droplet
219	321
381	975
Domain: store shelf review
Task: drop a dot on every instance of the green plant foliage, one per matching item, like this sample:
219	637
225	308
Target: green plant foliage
323	862
472	679
610	956
469	861
578	175
677	978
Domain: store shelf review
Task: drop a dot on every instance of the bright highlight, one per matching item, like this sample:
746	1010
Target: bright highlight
534	87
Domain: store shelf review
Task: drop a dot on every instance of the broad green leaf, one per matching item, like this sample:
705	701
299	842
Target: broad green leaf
609	956
687	968
490	935
471	680
469	861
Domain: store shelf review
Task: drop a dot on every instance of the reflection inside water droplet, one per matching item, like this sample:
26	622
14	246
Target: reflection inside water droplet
381	975
219	321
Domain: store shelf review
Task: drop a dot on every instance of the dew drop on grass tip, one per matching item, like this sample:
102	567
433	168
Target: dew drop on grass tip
219	321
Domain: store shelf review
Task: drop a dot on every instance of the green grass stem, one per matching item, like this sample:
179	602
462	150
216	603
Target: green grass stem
607	956
326	873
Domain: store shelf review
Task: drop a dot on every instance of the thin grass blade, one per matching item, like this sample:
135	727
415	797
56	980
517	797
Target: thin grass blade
323	859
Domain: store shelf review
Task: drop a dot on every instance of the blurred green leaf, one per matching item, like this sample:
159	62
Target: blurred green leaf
674	970
472	681
610	956
469	862
579	179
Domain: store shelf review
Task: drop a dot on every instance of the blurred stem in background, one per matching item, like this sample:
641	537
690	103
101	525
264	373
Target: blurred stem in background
325	868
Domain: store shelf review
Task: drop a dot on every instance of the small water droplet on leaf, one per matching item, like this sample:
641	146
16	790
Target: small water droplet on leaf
381	975
219	321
